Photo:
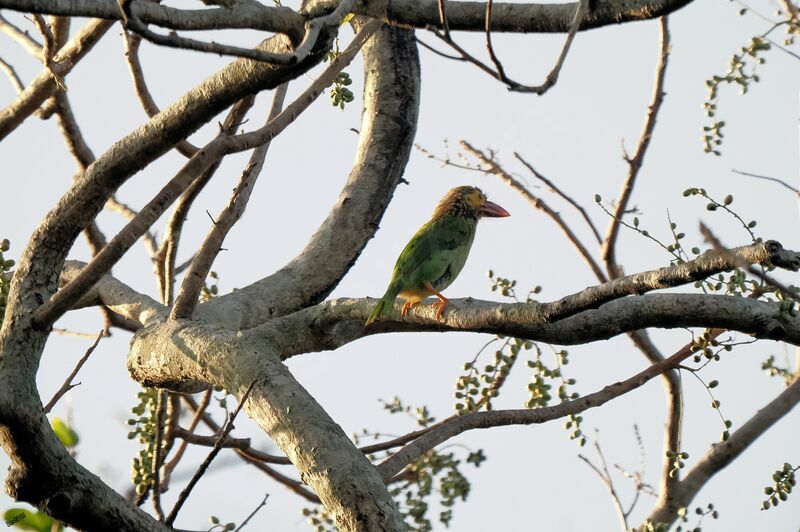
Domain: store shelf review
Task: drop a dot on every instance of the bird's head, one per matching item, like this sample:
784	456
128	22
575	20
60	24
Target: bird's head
468	202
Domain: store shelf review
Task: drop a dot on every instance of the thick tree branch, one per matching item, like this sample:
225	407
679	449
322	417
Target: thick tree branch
391	97
132	43
244	15
462	16
512	17
117	296
342	477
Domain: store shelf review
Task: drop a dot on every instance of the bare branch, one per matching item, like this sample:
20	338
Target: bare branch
157	458
132	42
254	512
204	466
116	248
184	434
605	476
67	386
768	178
195	278
553	188
552	77
46	84
721	454
496	418
12	76
132	23
770	281
167	254
123	209
23	38
276	125
462	16
537	203
608	251
259	460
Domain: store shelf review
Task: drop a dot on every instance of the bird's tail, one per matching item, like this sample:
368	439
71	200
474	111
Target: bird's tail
382	307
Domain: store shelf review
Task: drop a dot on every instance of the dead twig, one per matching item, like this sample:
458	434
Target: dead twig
204	466
67	386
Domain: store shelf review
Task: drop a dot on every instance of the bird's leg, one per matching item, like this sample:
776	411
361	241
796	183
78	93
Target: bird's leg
439	305
406	307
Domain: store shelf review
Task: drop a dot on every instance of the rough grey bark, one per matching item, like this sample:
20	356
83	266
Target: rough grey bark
349	486
388	124
468	16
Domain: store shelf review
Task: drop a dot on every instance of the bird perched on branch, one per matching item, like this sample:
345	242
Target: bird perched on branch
435	255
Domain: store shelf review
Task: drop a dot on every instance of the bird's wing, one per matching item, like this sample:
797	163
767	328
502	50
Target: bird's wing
431	250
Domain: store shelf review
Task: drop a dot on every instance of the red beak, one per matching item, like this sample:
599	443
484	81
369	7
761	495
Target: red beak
493	210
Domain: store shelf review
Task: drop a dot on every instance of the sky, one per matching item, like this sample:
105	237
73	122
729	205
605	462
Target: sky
573	135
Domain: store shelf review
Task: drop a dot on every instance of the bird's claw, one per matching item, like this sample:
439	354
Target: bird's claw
439	306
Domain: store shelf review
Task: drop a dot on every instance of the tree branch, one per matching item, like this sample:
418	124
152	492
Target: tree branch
46	83
23	38
462	16
391	96
496	418
248	15
536	203
608	251
722	454
132	43
117	296
195	278
67	386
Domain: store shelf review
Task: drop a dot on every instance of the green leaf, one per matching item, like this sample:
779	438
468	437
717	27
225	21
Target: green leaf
64	433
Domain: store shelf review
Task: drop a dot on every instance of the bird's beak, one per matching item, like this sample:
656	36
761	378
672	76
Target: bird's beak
493	210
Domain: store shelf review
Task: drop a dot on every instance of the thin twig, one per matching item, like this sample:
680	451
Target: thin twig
608	251
195	278
23	38
605	476
768	178
12	76
537	203
498	72
254	512
155	483
170	466
438	52
204	466
67	386
552	186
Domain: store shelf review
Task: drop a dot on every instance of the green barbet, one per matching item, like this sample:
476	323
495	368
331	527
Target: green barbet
435	255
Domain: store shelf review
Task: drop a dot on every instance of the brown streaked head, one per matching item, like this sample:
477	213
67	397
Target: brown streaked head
469	202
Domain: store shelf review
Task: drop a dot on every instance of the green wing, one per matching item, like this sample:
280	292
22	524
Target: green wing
439	245
435	254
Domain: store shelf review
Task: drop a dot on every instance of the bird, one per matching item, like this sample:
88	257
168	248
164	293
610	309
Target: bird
435	255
